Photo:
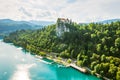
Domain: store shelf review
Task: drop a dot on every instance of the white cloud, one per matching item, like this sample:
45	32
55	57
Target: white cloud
78	10
25	12
92	10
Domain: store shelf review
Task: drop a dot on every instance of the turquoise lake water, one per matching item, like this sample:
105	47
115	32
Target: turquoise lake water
15	64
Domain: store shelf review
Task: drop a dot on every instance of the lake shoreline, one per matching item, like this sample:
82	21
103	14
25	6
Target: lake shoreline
58	60
64	62
84	70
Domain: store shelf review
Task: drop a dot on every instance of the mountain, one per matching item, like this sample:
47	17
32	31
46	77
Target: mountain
6	20
8	25
104	21
109	21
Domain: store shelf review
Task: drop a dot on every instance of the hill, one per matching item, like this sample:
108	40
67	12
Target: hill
8	25
96	46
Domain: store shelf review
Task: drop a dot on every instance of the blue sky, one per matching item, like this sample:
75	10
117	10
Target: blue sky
50	10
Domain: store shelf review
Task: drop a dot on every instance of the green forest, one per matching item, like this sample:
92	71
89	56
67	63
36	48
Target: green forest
94	45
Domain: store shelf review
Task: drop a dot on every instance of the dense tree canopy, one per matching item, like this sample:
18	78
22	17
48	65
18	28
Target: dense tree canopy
96	46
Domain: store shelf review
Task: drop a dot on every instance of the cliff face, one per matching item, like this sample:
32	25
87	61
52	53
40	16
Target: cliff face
61	27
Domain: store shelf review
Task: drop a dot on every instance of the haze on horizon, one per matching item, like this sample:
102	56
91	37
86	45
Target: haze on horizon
49	10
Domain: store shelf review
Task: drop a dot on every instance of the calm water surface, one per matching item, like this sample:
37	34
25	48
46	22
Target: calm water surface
15	64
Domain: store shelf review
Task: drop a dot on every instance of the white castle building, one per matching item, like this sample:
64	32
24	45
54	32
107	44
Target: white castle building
61	27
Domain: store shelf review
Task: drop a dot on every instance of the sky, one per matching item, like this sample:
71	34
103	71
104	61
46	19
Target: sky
50	10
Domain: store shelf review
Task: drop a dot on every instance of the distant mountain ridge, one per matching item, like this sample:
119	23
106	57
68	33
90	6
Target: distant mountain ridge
33	22
109	21
8	25
104	21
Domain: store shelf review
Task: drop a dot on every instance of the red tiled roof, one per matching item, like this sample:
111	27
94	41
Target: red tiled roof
62	18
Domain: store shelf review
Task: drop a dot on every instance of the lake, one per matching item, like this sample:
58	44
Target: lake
15	64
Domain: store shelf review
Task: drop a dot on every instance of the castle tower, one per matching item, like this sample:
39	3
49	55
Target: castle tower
61	27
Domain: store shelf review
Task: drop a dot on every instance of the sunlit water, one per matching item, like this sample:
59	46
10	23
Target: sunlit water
15	64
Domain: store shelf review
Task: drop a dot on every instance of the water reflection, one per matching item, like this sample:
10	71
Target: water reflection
22	72
16	65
